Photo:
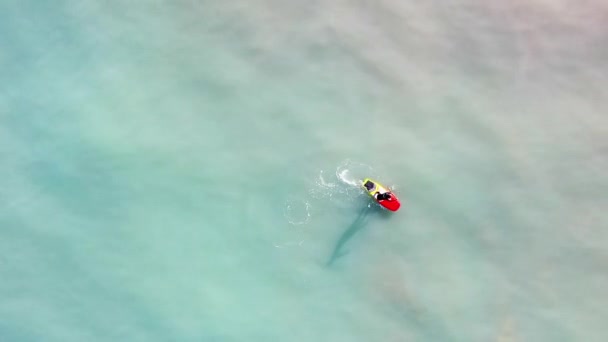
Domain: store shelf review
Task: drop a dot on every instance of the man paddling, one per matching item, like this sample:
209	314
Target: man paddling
382	197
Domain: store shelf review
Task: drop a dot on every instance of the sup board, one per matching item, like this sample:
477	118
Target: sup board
374	188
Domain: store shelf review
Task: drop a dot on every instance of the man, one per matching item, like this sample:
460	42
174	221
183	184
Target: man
383	197
369	185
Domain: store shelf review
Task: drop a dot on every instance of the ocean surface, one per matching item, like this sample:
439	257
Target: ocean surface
188	170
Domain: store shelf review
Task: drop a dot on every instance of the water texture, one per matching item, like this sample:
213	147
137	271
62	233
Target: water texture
188	170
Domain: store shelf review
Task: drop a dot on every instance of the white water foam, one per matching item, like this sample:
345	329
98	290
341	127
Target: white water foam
344	185
340	189
352	173
297	211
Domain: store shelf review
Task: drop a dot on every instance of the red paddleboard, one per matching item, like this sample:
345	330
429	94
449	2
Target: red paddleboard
377	190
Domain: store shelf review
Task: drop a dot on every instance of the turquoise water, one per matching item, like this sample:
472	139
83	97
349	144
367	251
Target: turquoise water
186	171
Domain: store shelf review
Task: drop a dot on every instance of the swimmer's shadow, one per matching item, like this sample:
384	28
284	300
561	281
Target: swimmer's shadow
358	224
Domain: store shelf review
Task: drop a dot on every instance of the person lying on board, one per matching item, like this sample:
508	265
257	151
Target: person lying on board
382	197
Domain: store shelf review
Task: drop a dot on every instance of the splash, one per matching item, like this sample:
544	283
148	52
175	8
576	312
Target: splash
297	211
344	185
352	173
323	183
340	188
324	188
346	176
